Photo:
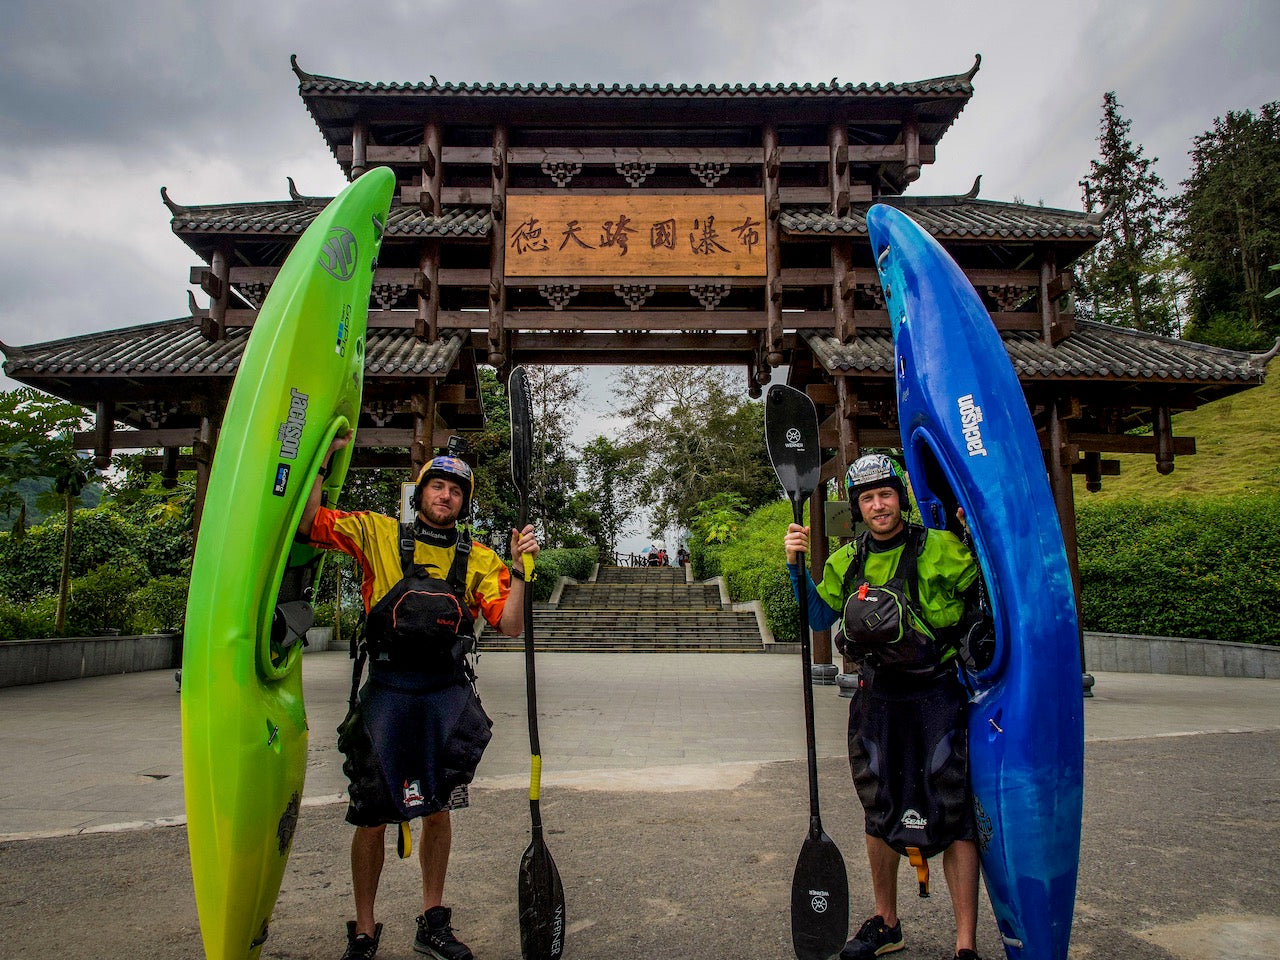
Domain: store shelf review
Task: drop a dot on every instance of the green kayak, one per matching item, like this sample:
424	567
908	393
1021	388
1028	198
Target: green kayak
244	726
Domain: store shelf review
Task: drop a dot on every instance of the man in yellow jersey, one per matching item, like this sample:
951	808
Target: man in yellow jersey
904	596
415	736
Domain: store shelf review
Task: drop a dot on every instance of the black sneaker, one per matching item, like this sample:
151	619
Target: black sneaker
361	946
967	954
435	936
874	939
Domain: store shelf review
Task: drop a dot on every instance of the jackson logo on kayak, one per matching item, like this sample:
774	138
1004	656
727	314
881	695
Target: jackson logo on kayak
290	432
339	254
970	418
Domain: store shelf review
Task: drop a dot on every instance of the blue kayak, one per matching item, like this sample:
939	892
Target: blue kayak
969	440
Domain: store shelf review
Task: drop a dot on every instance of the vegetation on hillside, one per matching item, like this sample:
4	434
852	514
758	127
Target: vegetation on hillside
1237	452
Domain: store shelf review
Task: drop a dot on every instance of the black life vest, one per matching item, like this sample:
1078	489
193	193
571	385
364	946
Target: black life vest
883	623
423	623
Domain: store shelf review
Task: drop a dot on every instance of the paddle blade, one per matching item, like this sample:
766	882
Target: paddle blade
521	430
791	436
541	899
819	900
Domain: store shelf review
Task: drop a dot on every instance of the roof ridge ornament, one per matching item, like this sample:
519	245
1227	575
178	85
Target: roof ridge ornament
1257	360
305	199
973	71
301	74
973	191
176	209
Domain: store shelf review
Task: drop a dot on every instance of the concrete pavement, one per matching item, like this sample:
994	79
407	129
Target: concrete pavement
674	794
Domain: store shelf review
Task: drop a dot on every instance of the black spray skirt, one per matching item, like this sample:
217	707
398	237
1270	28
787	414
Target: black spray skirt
408	743
909	755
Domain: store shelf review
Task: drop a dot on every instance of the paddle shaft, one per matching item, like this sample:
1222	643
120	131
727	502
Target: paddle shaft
815	822
531	688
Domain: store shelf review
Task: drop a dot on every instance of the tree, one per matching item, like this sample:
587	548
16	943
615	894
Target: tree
608	479
1123	280
1228	228
700	436
495	509
555	393
35	435
70	474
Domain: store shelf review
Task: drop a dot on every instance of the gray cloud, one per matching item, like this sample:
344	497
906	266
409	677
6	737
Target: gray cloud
104	103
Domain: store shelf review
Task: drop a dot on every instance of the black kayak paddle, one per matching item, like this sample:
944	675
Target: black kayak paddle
541	895
820	886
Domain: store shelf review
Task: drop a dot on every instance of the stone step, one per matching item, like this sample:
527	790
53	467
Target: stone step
638	610
640	575
509	645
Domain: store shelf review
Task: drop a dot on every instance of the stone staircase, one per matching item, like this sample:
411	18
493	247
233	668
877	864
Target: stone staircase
637	610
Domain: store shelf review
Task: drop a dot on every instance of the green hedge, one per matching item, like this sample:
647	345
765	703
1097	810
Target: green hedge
159	606
1208	569
754	568
31	566
110	597
551	565
28	620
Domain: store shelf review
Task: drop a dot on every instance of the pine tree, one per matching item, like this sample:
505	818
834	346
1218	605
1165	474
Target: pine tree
1228	228
1124	281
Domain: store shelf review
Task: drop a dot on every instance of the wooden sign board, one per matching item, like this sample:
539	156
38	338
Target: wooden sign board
838	515
676	235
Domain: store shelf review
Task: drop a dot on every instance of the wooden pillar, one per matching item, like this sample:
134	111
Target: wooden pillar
847	417
220	267
202	452
103	426
1060	460
426	324
842	285
169	468
911	140
1162	425
772	251
842	290
359	148
1048	305
818	562
431	157
838	140
498	250
422	447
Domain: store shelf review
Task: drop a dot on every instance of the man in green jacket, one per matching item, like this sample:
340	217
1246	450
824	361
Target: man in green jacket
900	594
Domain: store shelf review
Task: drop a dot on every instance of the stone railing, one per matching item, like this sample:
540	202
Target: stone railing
68	658
1125	653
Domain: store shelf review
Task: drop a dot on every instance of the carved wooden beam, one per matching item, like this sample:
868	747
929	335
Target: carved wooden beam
138	439
608	156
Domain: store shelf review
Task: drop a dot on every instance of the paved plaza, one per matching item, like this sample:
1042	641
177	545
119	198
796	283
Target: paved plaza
675	801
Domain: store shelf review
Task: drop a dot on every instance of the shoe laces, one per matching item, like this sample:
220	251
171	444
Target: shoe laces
873	925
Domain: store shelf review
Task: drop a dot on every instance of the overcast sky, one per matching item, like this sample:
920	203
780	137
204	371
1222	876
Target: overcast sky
101	104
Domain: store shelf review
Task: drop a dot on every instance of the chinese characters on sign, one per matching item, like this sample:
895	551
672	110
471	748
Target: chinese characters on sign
629	235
